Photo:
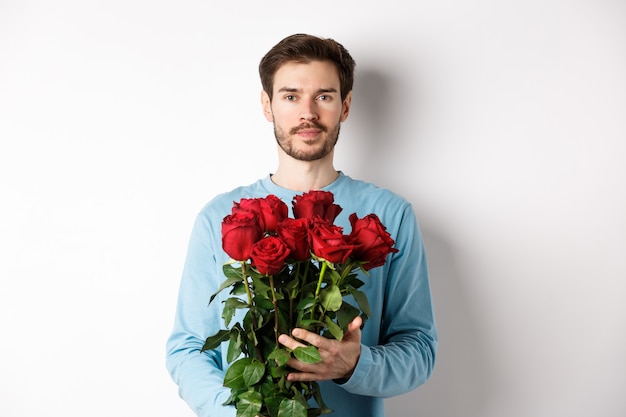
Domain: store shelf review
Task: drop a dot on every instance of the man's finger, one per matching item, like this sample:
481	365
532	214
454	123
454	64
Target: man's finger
354	329
289	342
355	324
310	337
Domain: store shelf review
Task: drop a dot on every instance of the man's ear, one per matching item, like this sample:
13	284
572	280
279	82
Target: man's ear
346	107
266	103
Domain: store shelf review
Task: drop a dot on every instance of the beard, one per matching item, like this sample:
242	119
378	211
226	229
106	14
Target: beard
328	141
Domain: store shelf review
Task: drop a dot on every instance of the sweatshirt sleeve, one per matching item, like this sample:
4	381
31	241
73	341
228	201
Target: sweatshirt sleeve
199	375
405	355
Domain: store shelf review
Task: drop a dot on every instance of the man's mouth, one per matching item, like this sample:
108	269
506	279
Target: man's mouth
308	129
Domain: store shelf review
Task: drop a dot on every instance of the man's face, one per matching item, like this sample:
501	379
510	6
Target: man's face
306	109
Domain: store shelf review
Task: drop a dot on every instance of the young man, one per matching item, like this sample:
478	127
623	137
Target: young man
307	93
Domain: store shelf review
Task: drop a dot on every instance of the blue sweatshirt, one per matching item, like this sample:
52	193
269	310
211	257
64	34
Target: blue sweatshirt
399	340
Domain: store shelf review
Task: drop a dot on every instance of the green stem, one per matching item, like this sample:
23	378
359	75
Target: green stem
344	273
275	302
292	295
251	307
245	283
291	323
319	286
304	276
296	291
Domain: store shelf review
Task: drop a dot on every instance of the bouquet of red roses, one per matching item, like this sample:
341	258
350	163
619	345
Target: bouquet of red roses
290	272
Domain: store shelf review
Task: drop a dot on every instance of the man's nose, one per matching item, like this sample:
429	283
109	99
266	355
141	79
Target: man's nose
308	111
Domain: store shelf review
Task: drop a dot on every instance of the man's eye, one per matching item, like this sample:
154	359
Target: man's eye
324	97
290	97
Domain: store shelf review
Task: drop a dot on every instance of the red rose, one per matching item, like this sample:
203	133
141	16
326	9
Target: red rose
371	240
269	254
316	203
271	210
295	234
328	242
247	204
240	231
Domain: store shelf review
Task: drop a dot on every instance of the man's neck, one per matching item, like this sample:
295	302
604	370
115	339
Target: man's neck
304	176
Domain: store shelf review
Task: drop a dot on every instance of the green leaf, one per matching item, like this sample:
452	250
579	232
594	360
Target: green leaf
262	301
292	283
260	287
267	387
234	347
279	372
253	273
243	373
273	404
212	342
281	356
284	323
334	276
330	298
334	329
317	394
299	390
234	302
346	314
291	408
231	271
231	398
309	324
250	334
305	303
239	290
230	306
233	378
250	403
227	315
362	301
253	372
230	280
307	354
353	281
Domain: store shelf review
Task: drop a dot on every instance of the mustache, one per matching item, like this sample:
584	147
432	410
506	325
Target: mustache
310	125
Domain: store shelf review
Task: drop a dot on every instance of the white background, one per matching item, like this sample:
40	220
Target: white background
504	122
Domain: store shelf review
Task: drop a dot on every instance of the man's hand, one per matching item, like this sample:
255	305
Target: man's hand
338	358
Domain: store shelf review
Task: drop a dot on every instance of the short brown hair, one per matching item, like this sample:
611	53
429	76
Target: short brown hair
306	48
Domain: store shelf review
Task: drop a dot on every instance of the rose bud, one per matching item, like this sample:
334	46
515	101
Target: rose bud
240	231
269	254
273	211
328	242
372	243
316	203
295	234
250	205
